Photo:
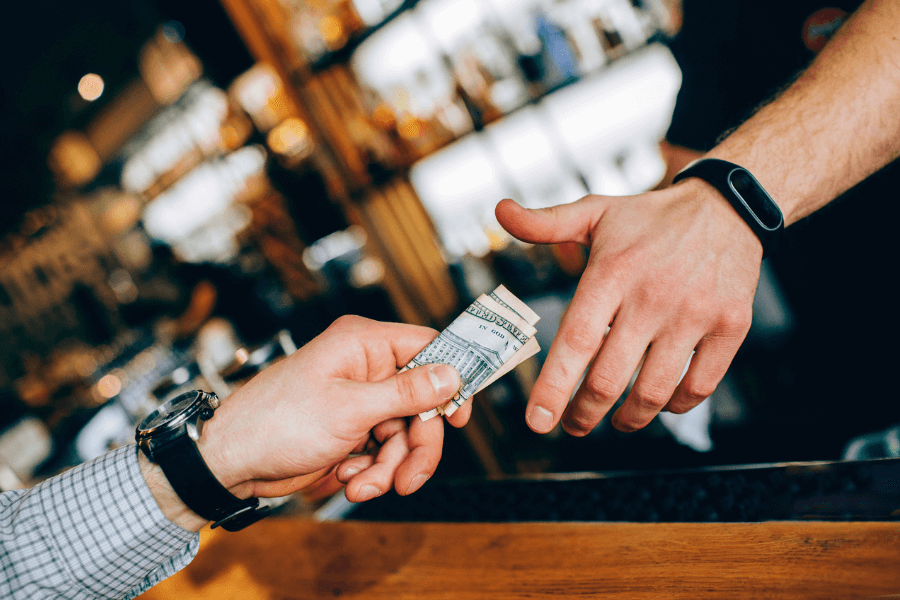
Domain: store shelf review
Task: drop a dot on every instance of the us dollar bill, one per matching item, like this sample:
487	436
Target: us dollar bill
492	336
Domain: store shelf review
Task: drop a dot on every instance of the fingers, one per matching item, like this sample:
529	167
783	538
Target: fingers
654	385
405	394
351	467
607	378
387	345
563	223
385	430
462	414
580	335
323	488
283	487
379	477
406	460
714	355
426	440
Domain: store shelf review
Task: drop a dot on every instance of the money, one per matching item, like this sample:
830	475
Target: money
493	335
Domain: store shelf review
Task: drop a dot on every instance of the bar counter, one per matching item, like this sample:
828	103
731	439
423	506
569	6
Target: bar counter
293	559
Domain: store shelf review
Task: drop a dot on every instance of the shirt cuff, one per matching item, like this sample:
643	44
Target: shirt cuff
113	538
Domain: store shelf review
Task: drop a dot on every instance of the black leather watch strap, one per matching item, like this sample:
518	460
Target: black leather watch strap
198	488
745	194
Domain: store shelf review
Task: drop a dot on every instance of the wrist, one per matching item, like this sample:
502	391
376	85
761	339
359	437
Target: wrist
736	152
170	437
749	199
218	455
717	208
168	501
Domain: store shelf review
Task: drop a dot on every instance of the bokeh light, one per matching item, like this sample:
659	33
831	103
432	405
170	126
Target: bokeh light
91	87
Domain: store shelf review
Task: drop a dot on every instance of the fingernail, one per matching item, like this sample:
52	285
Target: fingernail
417	482
540	419
367	492
351	471
444	380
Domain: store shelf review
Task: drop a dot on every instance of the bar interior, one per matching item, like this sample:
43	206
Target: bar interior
196	190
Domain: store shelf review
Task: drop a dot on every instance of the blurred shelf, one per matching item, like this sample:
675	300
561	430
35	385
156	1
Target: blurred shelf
343	54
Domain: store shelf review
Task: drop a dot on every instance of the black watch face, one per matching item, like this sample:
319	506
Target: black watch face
168	411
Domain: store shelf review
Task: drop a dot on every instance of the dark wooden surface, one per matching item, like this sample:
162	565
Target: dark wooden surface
292	559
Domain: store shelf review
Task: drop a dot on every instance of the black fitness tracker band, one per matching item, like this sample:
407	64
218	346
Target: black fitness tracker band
746	195
168	438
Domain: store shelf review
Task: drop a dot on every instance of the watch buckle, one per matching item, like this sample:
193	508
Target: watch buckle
243	517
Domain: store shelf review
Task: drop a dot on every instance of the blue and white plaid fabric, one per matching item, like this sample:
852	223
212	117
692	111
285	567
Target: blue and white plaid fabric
93	532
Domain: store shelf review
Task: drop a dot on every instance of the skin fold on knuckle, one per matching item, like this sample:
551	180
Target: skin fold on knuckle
602	388
629	424
579	422
689	396
408	392
632	416
651	397
579	338
735	319
348	322
552	389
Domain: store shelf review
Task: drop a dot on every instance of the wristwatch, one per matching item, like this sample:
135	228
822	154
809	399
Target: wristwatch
168	437
748	197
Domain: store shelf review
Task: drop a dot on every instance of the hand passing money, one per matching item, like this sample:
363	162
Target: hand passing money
489	339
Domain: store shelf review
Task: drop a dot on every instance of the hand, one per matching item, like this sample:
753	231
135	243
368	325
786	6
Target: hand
669	272
337	395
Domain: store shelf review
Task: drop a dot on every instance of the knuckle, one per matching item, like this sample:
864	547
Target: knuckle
603	386
578	338
646	297
652	395
628	422
407	389
347	322
679	408
619	270
736	318
697	392
580	422
695	313
554	391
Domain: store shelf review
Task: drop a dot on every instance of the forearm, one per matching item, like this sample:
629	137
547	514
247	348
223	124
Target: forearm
836	125
94	531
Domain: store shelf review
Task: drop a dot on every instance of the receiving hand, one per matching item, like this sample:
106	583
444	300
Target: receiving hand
336	396
670	272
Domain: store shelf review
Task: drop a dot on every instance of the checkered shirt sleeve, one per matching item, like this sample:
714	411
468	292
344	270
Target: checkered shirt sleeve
93	532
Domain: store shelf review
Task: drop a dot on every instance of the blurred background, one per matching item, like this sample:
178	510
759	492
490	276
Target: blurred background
192	190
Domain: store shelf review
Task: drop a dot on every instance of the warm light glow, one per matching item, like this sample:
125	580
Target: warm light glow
290	138
73	159
333	31
121	214
109	386
260	92
410	127
90	87
384	117
166	64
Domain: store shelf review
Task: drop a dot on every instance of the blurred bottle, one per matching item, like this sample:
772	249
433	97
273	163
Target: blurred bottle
556	50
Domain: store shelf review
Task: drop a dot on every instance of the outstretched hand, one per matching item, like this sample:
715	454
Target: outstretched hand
336	396
670	272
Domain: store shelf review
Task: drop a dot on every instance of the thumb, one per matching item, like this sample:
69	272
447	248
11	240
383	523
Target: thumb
412	392
555	224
